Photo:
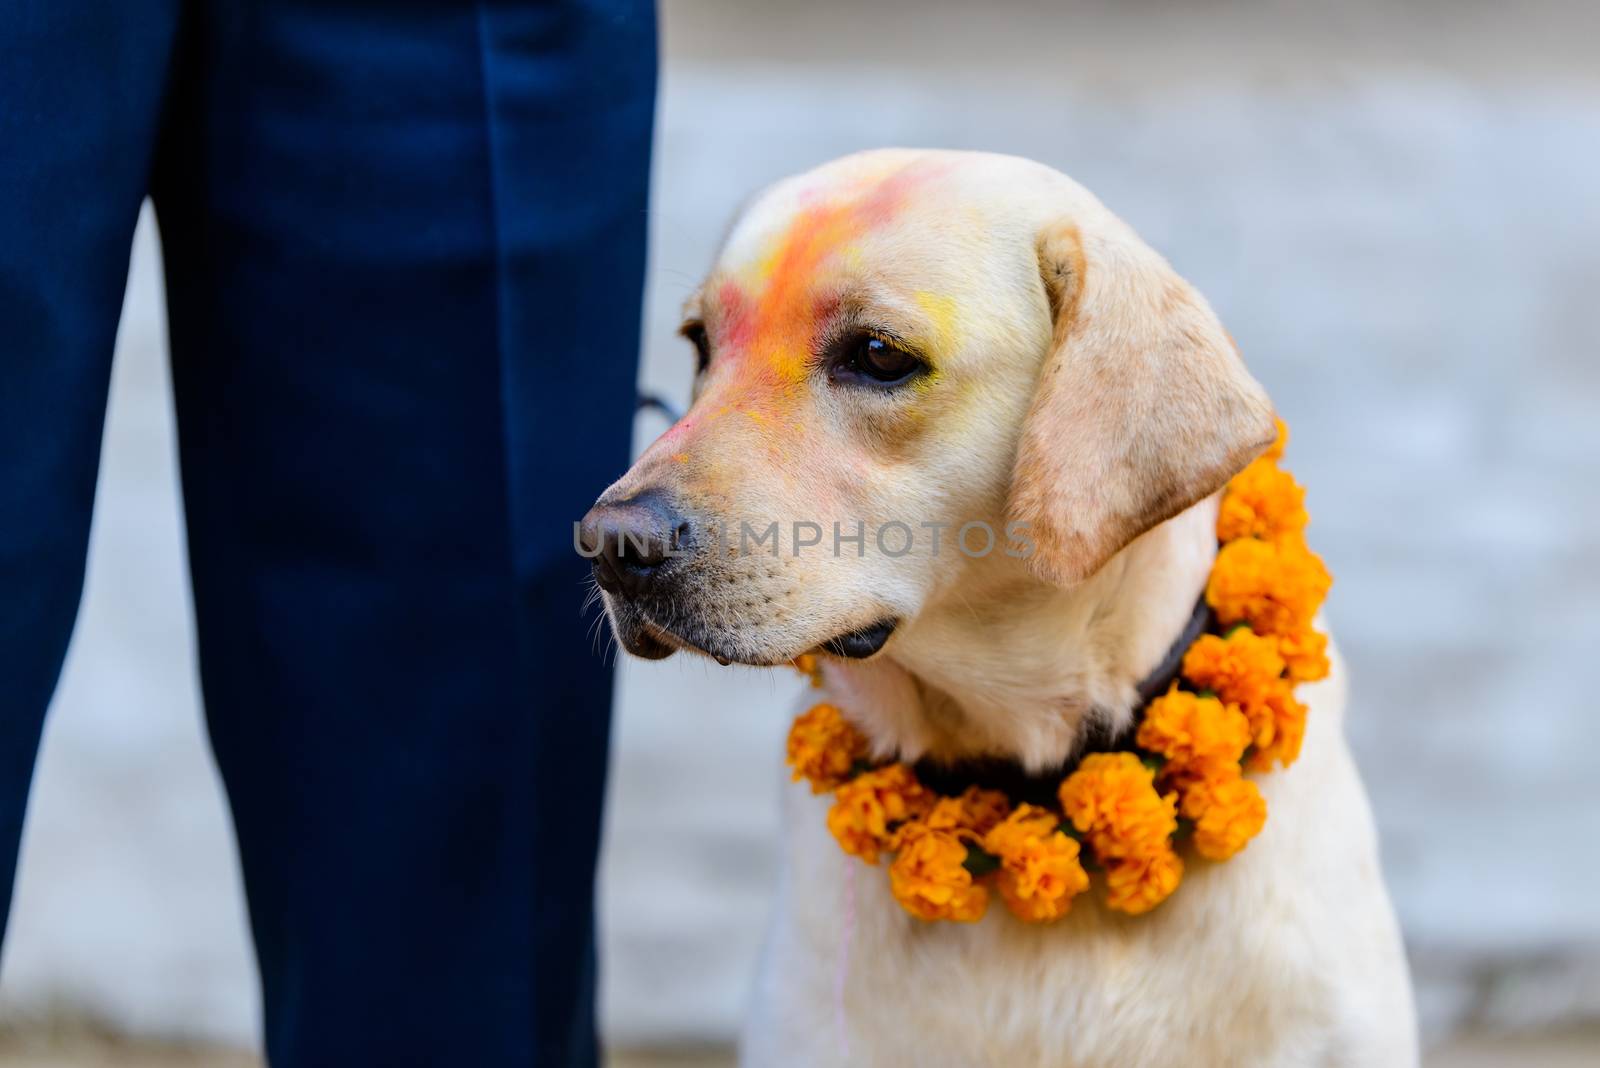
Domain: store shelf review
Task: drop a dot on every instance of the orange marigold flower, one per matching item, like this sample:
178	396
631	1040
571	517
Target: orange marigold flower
1241	668
1112	800
974	812
1139	884
1279	726
930	880
1246	670
1275	450
1275	586
1227	809
868	810
808	665
1305	651
1262	501
823	747
1185	727
1040	870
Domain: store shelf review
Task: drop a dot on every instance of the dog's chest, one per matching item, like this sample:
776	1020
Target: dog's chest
1226	957
1089	993
1096	992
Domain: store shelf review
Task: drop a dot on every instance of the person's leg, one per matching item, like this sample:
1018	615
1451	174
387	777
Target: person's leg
80	98
405	248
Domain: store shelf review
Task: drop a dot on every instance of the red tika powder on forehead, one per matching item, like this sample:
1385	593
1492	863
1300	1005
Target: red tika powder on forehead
774	332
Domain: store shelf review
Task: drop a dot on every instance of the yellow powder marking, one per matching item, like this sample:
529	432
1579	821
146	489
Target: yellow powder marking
941	312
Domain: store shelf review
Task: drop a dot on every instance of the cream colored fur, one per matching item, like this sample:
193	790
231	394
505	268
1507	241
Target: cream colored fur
1083	388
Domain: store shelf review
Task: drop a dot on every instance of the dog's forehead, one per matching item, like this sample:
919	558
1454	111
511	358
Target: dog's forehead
890	215
843	207
840	202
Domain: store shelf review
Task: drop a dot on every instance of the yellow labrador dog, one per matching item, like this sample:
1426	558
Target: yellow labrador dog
906	357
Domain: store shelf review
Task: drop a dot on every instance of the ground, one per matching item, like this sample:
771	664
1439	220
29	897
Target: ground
1576	1050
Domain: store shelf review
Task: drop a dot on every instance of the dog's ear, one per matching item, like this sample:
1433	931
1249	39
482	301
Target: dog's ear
1143	406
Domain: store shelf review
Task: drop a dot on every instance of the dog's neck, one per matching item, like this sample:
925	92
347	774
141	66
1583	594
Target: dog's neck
1004	665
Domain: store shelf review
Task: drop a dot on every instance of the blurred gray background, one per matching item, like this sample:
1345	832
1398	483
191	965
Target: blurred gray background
1396	211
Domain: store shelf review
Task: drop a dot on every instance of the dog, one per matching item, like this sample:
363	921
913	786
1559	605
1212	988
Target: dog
971	347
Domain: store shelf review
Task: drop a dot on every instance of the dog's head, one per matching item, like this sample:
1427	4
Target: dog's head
911	365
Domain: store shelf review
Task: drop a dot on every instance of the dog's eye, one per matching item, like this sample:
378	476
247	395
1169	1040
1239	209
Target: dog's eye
868	357
696	333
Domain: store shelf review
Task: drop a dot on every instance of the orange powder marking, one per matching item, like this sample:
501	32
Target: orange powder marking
770	313
774	332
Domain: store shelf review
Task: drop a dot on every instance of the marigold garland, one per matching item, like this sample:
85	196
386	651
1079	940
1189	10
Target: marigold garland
1040	870
930	879
823	748
975	812
1305	654
1190	728
1263	501
1122	814
870	811
1113	802
1227	809
1274	586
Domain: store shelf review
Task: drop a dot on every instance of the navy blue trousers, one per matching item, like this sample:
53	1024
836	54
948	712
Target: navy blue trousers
404	247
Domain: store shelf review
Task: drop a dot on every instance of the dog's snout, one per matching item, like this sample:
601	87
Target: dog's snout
630	541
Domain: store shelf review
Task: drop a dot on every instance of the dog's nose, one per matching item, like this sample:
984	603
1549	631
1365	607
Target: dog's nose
630	540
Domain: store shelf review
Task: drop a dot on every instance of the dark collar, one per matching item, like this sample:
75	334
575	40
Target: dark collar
1039	788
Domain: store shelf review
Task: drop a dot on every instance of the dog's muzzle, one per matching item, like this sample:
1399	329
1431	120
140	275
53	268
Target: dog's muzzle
633	542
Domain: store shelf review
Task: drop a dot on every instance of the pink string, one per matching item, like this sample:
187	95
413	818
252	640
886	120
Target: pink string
847	931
